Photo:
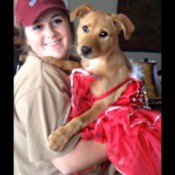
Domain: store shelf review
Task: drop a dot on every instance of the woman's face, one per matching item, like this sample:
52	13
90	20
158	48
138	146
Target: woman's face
50	34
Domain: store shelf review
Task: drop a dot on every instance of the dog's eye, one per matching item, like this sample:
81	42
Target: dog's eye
103	34
85	29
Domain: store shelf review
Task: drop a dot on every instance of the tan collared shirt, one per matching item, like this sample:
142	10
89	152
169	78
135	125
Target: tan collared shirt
41	104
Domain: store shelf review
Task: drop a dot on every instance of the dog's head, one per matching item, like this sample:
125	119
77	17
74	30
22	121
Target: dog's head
98	31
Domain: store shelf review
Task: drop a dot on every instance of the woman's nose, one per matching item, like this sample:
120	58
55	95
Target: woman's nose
50	31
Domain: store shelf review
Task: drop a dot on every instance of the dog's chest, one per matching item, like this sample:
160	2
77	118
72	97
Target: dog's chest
93	65
99	87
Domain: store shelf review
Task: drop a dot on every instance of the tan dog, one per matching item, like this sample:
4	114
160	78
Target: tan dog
98	43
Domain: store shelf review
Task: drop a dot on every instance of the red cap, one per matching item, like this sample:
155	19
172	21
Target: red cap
27	11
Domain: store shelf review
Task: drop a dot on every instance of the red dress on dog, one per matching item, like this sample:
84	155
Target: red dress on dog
130	128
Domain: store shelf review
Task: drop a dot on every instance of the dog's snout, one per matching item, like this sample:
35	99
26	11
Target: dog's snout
85	50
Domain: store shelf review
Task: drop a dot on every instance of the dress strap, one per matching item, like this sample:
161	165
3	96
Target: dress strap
112	90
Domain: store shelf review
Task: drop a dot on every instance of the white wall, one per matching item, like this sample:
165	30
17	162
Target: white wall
111	7
107	5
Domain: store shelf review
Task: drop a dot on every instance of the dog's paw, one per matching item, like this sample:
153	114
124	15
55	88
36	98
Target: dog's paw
58	139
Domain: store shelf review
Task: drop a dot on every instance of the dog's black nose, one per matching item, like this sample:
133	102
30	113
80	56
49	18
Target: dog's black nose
85	50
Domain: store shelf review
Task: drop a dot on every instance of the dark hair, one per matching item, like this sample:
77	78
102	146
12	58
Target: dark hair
24	48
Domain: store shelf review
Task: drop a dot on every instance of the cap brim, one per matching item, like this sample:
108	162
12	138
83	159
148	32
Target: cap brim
32	17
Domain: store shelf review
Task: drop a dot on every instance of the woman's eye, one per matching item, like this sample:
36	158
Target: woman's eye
85	29
57	21
38	27
103	34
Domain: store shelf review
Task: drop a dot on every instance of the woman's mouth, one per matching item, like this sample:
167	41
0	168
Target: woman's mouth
53	43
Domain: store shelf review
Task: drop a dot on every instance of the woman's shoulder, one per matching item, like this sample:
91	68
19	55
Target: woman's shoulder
35	74
43	70
51	74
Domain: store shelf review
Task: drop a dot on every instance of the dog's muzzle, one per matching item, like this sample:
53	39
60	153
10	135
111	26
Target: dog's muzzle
85	50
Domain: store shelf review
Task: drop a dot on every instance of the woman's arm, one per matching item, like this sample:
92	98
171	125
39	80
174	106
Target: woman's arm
87	153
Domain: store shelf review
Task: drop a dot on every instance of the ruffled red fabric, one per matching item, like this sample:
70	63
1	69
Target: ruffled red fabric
131	131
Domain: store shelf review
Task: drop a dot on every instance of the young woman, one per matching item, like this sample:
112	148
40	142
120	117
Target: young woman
42	94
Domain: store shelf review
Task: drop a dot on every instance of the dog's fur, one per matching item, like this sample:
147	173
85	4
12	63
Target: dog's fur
98	43
97	40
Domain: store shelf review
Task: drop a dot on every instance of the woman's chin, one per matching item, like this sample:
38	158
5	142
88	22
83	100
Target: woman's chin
58	56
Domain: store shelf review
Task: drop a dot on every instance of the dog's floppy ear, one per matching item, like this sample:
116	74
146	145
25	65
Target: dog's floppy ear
80	11
122	22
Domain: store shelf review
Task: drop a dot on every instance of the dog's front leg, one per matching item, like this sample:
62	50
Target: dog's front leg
62	64
59	138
